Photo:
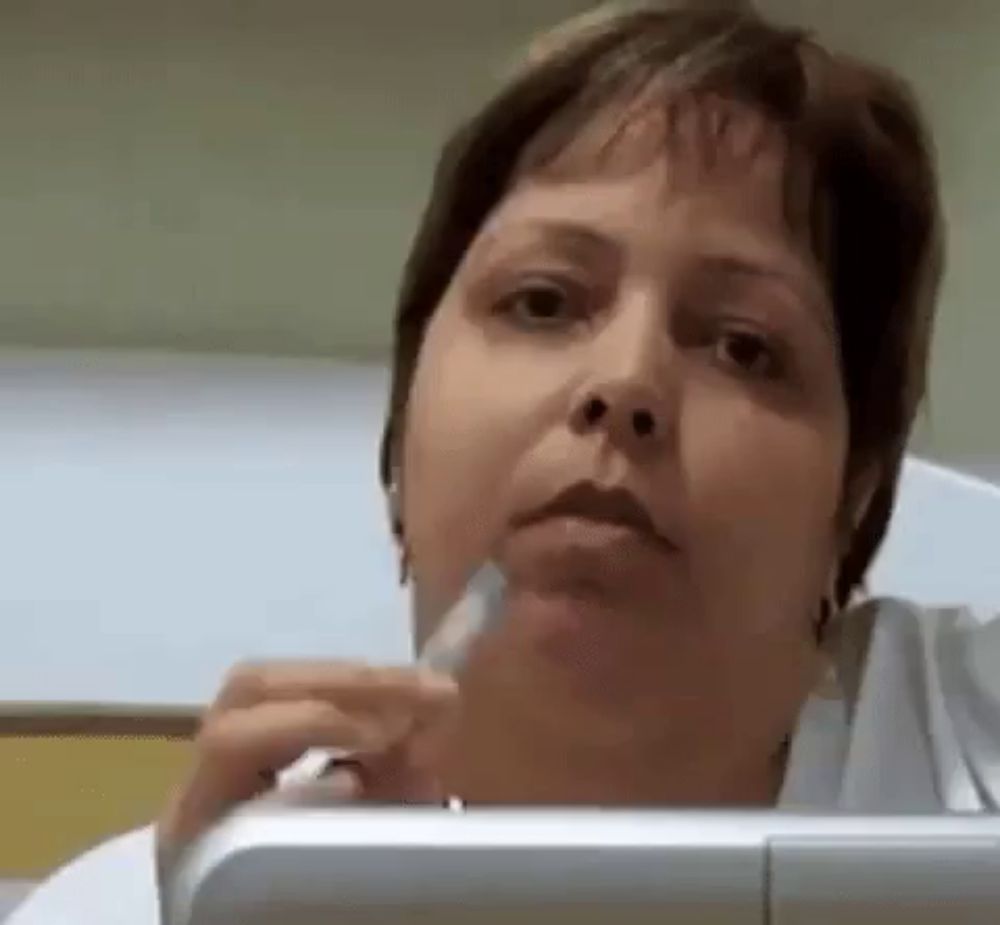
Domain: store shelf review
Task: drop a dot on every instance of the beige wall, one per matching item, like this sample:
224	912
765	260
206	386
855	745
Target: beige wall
210	174
217	174
950	51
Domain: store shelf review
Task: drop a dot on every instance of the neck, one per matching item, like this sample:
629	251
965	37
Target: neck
499	758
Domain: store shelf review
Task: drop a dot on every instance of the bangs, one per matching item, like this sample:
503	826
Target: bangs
703	134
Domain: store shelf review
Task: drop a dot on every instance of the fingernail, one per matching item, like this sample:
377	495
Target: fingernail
398	726
426	746
436	682
375	739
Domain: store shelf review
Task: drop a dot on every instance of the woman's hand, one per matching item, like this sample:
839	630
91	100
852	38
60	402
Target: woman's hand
267	715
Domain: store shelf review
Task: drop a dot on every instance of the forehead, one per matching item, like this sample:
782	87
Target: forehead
702	145
631	220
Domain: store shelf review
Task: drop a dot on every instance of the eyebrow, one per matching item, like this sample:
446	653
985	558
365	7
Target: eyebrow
576	238
788	272
575	241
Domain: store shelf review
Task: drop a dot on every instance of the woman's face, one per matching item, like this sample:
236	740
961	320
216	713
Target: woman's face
630	397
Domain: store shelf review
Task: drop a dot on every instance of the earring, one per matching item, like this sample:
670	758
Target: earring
829	683
404	565
827	610
396	522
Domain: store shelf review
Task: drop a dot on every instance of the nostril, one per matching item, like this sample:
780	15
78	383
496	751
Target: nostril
643	423
594	410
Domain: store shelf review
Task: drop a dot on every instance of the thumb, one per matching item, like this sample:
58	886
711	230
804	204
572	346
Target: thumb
400	776
341	785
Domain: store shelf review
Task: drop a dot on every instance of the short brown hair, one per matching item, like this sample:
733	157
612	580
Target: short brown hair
874	213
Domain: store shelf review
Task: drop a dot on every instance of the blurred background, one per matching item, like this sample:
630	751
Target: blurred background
204	207
244	176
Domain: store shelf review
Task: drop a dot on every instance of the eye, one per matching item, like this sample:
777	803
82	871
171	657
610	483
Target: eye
542	304
749	353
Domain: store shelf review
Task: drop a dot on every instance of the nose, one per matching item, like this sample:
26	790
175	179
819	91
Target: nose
631	405
630	413
628	393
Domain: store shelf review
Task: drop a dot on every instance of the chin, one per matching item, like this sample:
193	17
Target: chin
607	566
591	641
590	601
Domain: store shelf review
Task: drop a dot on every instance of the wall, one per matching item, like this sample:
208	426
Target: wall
246	176
211	174
164	517
949	52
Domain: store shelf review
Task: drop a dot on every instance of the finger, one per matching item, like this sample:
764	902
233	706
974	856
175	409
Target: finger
410	769
352	686
394	777
342	785
269	736
427	743
240	752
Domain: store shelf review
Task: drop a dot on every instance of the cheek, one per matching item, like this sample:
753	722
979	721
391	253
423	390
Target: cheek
445	454
762	492
474	412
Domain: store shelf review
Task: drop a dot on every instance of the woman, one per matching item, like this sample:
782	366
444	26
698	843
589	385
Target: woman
659	346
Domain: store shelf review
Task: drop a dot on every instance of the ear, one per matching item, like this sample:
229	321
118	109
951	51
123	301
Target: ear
858	497
394	504
394	507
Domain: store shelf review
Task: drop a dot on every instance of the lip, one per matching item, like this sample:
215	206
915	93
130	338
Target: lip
591	502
